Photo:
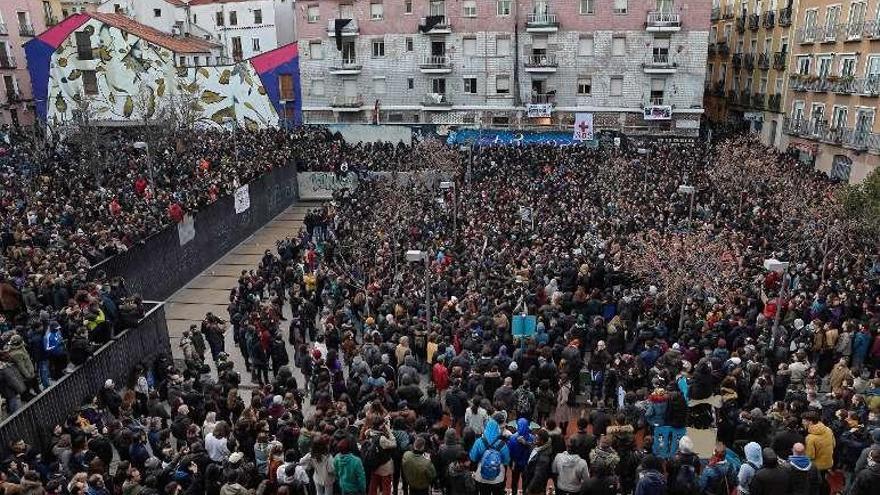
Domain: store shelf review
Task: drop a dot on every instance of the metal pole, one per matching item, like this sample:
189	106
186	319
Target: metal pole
455	207
428	290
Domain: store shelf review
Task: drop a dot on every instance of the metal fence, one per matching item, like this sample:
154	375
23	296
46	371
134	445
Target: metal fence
35	421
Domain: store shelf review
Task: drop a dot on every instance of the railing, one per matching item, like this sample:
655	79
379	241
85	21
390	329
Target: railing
808	34
749	61
544	60
723	49
51	20
774	102
737	60
785	17
661	60
860	139
434	62
832	33
754	22
342	101
779	60
868	86
716	14
349	29
740	25
769	19
443	23
347	63
663	19
7	62
436	100
758	100
871	29
541	98
853	31
764	61
26	29
729	11
3	29
543	19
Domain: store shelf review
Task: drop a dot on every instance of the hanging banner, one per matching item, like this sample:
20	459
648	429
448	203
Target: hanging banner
492	137
242	199
186	229
658	112
583	127
537	110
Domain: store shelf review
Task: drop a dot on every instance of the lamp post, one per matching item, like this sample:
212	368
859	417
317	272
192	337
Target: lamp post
774	265
691	191
414	256
141	145
445	186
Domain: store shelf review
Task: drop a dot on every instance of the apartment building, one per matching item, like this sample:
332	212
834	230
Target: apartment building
70	7
20	21
749	52
638	66
245	28
834	87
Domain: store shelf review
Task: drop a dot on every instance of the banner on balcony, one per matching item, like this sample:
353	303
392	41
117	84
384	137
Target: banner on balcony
658	112
537	110
583	127
242	199
489	137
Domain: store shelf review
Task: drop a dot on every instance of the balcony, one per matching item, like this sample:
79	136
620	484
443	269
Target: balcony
342	103
871	29
542	63
806	34
7	62
435	64
729	12
779	60
749	61
3	29
542	23
26	29
350	29
345	67
740	25
785	17
660	64
663	22
442	25
436	102
754	22
716	14
736	62
774	102
853	31
51	21
542	98
831	34
769	19
764	61
723	49
870	86
759	100
819	130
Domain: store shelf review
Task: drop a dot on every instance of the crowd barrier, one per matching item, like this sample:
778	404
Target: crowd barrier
35	421
166	261
320	186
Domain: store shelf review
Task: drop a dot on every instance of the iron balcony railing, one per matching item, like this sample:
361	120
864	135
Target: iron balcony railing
780	60
342	101
785	17
866	86
871	29
745	97
749	61
736	61
346	63
740	25
543	60
436	100
434	62
754	22
769	19
348	29
542	98
807	34
820	130
729	11
660	60
663	19
764	61
774	102
26	29
713	49
542	20
732	96
718	88
3	29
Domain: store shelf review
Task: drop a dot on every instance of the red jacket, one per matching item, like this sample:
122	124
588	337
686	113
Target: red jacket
175	212
140	185
440	376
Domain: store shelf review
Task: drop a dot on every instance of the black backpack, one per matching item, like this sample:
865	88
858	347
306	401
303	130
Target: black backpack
374	455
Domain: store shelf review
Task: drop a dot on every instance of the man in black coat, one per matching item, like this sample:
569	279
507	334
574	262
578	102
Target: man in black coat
771	479
868	479
537	471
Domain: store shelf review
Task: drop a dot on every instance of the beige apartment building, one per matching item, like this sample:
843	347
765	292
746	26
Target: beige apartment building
749	55
834	86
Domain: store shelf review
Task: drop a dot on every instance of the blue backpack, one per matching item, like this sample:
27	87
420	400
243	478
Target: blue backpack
490	464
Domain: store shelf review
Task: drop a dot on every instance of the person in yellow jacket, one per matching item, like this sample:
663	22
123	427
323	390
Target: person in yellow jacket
820	442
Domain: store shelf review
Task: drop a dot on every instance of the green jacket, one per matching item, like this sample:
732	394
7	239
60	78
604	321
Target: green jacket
418	470
350	472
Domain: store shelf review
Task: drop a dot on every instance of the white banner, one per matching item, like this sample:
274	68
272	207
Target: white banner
583	127
186	229
539	109
658	112
242	199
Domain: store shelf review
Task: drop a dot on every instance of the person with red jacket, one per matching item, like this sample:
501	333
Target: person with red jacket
440	375
140	186
175	212
114	207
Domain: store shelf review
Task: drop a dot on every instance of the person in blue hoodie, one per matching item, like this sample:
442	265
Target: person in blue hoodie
861	344
493	439
651	480
520	445
754	461
803	474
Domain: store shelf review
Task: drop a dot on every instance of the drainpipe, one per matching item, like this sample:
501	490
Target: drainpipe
517	101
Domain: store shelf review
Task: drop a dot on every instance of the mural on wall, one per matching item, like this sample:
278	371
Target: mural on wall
138	80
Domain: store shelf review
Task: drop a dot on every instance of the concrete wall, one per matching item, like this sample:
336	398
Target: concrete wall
354	133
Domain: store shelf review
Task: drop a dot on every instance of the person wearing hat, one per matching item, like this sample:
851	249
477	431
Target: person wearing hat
418	469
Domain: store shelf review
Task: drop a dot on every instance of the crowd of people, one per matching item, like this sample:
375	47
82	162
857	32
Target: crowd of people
613	393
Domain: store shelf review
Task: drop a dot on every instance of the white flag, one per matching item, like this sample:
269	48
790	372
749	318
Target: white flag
583	127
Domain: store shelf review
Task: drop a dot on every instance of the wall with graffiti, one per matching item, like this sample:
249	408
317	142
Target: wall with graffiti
138	80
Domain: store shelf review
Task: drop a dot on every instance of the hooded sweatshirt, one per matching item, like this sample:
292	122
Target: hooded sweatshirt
519	453
651	483
572	472
491	436
804	476
754	461
820	446
350	472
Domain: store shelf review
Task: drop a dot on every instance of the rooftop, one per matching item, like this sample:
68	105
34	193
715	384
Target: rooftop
173	43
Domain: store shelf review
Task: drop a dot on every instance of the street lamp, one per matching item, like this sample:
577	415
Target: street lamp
415	256
445	186
141	145
690	190
774	265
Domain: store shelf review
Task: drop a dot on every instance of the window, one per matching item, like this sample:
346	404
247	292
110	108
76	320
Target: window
616	87
618	46
313	14
409	44
469	47
585	85
157	12
848	65
90	82
219	19
317	87
587	7
438	86
233	18
817	113
824	68
316	50
856	20
255	44
407	9
864	121
620	6
410	83
797	110
838	117
258	16
194	19
502	46
285	87
832	15
502	85
379	85
810	17
84	46
469	8
658	88
803	65
377	11
585	46
378	48
470	85
503	7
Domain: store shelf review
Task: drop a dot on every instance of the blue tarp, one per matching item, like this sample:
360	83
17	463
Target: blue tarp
489	137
